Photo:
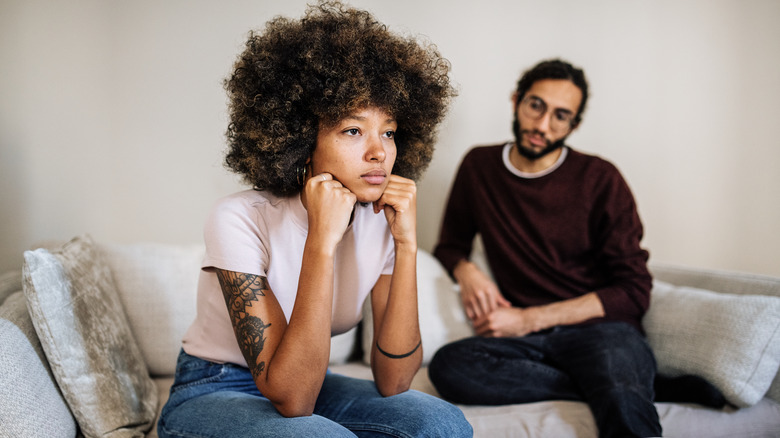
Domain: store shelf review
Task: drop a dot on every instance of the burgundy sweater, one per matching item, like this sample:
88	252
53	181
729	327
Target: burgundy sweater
573	231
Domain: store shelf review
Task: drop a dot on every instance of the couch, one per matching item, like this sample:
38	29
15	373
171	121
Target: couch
90	333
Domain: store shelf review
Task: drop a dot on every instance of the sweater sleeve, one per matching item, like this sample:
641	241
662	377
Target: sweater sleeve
458	226
625	295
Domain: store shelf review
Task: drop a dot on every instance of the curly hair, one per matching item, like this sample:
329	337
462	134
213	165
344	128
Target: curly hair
298	75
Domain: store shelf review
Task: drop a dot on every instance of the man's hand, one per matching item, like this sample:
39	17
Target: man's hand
480	295
399	202
516	321
507	322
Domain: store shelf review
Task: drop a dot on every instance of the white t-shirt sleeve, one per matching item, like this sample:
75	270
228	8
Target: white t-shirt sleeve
234	241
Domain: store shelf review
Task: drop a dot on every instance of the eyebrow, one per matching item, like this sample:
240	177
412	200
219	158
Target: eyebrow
565	110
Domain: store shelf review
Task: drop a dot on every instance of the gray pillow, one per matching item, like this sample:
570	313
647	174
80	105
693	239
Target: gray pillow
84	332
27	388
733	341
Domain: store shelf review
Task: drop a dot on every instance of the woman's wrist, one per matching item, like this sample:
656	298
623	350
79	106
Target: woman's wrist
407	247
319	246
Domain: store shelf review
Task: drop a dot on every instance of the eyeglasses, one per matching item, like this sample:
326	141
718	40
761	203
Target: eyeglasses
535	108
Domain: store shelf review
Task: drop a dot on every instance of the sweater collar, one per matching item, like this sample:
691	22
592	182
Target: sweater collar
532	175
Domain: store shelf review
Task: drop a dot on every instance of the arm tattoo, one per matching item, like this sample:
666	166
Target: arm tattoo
240	290
398	356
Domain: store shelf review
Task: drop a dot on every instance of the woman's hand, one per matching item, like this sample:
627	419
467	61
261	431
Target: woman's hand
329	206
399	202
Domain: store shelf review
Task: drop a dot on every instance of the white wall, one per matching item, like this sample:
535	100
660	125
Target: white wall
112	113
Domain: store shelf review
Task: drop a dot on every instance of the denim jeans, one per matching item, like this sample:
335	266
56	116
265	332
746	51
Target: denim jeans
609	366
221	400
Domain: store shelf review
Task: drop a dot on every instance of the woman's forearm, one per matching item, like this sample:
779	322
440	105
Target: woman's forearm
396	354
304	350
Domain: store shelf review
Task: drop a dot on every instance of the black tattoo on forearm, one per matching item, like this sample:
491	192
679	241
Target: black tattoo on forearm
398	356
240	291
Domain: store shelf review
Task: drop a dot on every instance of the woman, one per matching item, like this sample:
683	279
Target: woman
331	117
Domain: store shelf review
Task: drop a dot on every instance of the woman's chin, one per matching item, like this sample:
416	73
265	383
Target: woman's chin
369	195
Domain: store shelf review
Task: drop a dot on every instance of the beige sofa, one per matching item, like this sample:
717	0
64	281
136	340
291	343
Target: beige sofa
727	330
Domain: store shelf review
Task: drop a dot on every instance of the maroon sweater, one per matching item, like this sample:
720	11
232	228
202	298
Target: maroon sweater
573	231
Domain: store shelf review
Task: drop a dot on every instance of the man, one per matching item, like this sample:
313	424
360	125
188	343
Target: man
562	238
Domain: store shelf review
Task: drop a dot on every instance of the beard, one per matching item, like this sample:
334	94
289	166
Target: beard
528	152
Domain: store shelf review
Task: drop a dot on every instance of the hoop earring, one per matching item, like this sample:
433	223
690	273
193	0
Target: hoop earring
300	174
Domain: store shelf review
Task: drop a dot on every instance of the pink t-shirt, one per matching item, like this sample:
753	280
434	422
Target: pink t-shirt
258	233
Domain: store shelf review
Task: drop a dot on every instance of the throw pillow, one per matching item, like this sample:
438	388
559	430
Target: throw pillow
27	388
733	341
342	346
157	285
84	332
441	315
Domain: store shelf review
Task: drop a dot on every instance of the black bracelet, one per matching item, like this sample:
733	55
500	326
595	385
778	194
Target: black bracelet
398	356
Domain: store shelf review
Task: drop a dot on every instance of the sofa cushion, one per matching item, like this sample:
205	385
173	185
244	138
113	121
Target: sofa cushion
733	341
84	332
10	283
157	285
441	315
27	388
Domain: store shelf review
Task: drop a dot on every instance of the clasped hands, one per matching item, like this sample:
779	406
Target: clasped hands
491	314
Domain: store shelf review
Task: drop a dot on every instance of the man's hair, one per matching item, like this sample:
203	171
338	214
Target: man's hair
298	75
555	69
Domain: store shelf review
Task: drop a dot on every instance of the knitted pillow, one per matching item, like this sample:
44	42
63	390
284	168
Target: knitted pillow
84	332
733	341
27	388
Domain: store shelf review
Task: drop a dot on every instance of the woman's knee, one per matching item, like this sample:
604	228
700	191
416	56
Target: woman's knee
429	416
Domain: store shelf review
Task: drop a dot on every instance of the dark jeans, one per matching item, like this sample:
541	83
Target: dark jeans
609	366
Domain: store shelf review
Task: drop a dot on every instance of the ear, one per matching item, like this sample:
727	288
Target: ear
514	100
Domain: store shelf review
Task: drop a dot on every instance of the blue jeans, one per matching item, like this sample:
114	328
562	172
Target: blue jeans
609	366
221	400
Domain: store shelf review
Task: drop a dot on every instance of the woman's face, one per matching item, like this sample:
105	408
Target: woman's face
359	151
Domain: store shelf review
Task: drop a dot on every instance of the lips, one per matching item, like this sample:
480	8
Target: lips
535	140
375	177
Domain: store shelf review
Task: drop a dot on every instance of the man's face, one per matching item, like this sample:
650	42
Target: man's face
543	117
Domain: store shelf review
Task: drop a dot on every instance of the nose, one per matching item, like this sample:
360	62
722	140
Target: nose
543	123
375	150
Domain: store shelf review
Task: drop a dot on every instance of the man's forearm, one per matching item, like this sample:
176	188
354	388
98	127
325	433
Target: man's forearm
569	312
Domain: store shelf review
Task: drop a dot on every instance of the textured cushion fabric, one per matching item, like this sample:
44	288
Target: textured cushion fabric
733	341
10	282
568	419
774	389
84	332
27	389
441	315
157	285
342	346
